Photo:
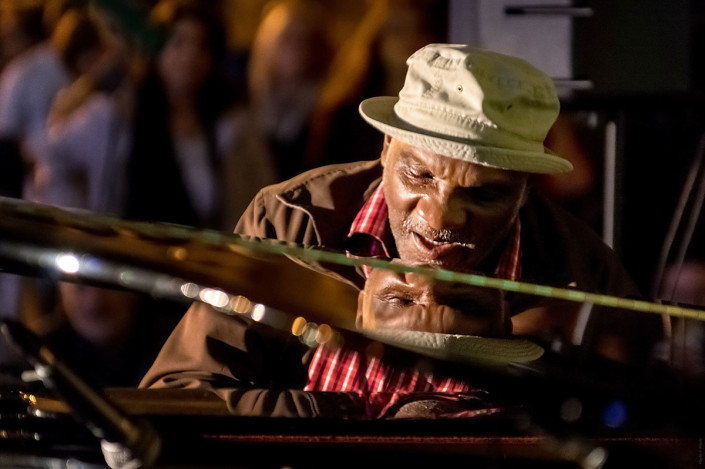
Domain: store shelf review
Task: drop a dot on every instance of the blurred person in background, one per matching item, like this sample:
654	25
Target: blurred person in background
36	69
108	336
158	141
30	79
288	62
21	28
89	125
173	167
79	42
372	61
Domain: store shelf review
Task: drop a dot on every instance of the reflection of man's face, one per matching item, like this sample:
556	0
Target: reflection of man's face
409	301
448	212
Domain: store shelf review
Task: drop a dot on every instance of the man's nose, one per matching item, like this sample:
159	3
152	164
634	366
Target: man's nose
444	210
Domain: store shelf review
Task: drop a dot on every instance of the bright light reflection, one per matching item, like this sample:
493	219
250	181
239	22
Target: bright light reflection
240	304
213	297
180	254
125	277
67	263
309	334
189	290
325	333
258	312
297	327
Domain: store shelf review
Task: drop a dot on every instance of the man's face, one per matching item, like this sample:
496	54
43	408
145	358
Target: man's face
447	212
414	302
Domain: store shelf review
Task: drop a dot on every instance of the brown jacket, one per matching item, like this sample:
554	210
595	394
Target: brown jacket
209	349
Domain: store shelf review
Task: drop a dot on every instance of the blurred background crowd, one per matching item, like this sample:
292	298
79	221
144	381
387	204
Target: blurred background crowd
179	111
213	100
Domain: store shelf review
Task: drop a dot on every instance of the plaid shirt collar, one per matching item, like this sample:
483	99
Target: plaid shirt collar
381	385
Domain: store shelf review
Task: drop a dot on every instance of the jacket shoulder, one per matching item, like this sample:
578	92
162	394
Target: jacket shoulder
313	208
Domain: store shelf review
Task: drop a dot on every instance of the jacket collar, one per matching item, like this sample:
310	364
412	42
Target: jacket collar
332	196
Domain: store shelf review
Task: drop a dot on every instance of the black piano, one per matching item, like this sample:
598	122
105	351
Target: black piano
564	409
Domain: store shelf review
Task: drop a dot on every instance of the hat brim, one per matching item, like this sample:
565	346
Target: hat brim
460	348
379	112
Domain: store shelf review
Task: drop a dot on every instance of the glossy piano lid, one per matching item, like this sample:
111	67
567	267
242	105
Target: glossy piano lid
167	260
264	267
246	276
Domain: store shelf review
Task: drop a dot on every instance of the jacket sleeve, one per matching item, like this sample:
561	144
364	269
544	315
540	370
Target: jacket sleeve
292	403
226	356
210	350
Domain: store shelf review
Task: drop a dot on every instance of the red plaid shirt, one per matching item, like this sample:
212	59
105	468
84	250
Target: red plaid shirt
383	386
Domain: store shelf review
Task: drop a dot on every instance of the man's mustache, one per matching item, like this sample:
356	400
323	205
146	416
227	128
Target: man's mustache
442	236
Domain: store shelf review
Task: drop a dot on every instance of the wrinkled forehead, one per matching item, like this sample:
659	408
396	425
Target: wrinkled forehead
448	168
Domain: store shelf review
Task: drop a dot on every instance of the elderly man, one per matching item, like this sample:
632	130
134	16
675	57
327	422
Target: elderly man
452	189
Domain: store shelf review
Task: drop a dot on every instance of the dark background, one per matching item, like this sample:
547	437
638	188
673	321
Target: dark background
644	60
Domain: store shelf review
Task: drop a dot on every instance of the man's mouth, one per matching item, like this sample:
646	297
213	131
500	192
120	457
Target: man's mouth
437	248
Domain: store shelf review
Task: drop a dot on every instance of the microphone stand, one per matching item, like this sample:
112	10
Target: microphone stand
126	443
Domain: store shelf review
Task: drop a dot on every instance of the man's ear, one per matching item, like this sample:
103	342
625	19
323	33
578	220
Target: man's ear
385	149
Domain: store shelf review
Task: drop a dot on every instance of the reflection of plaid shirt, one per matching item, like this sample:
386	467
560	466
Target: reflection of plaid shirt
384	386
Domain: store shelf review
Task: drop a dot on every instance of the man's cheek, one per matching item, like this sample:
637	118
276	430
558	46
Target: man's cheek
383	315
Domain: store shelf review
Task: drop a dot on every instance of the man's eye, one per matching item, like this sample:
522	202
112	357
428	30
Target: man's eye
399	300
420	175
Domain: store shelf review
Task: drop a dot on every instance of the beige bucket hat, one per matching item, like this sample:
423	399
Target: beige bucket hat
473	105
460	348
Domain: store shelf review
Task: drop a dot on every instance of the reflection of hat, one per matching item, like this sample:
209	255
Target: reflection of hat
473	105
460	348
